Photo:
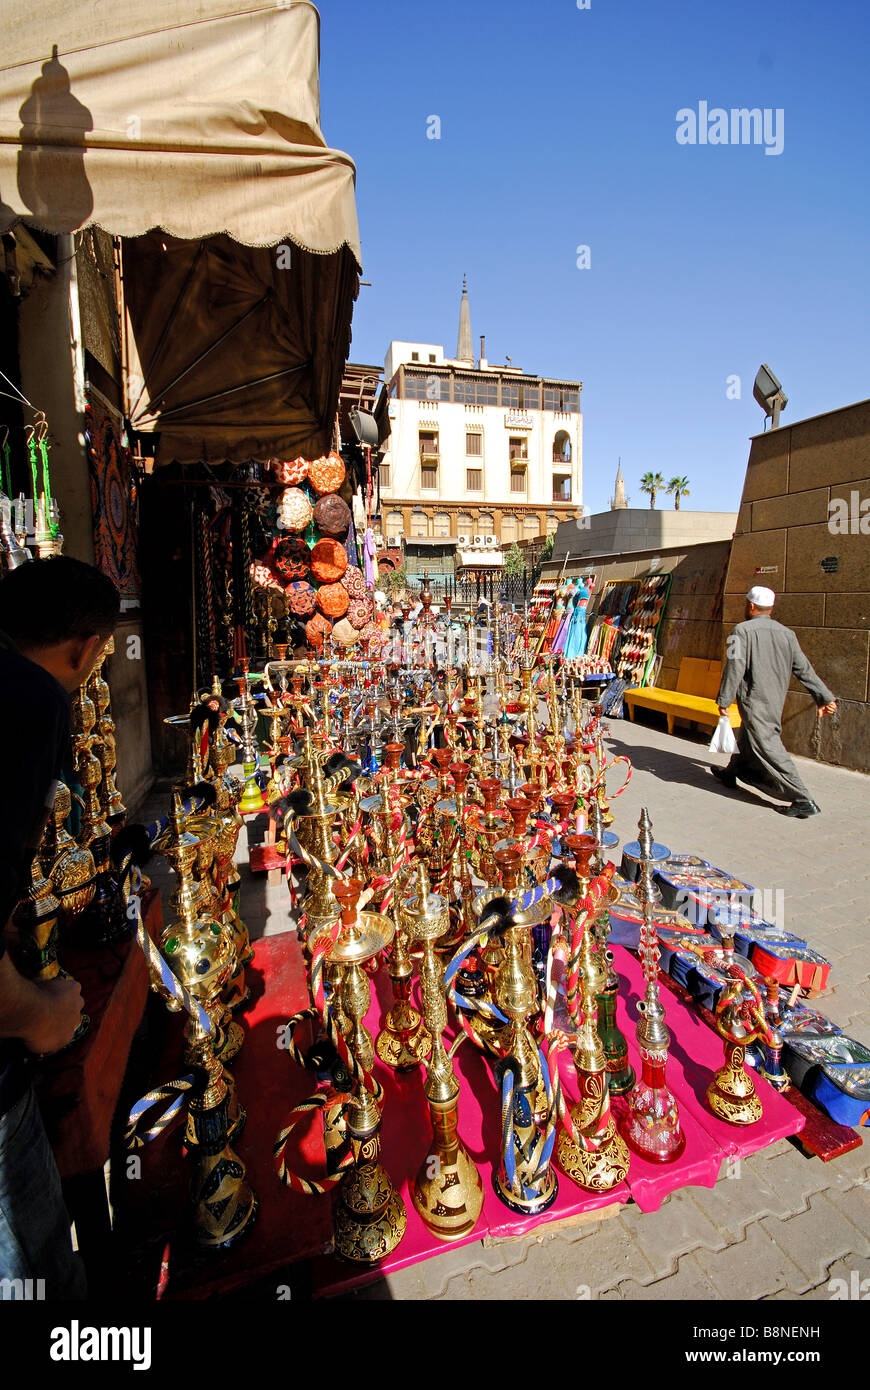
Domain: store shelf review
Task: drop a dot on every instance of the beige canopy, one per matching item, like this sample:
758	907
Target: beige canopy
201	118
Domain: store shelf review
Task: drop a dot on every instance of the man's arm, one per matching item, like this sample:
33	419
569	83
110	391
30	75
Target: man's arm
43	1015
736	655
801	668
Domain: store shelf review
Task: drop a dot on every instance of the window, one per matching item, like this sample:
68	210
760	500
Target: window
552	398
419	524
562	447
463	390
552	522
474	479
486	524
518	447
464	524
561	488
415	387
442	524
510	394
571	400
394	524
428	443
509	530
428	476
415	357
532	525
384	475
474	443
518	480
530	398
487	393
431	357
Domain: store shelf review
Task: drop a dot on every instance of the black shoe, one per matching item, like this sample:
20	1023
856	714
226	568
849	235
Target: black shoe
800	810
725	777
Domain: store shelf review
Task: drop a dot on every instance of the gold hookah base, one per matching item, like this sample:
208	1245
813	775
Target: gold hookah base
732	1097
448	1203
236	994
541	1199
403	1042
598	1169
236	1115
225	1207
369	1218
228	1041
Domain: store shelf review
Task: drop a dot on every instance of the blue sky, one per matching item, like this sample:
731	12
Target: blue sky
558	129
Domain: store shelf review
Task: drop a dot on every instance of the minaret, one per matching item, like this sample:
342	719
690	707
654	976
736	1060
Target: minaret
619	503
464	348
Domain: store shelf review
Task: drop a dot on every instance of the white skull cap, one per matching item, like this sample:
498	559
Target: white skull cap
761	597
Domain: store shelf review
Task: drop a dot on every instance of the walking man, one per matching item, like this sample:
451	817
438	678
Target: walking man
762	656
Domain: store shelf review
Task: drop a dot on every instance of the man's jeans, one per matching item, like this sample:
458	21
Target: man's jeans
34	1225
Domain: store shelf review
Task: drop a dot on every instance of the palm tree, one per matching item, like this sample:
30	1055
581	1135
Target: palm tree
652	483
680	488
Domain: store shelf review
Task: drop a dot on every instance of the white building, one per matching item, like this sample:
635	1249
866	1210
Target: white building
477	449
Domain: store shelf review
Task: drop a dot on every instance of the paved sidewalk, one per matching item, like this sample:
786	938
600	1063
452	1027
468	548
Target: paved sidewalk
783	1225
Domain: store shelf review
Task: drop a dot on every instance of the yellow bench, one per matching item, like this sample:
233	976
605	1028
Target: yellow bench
694	698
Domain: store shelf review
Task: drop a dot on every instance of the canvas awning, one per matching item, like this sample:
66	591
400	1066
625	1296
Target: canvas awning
200	118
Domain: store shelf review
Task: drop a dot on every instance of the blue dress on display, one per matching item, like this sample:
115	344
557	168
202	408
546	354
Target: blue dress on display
575	644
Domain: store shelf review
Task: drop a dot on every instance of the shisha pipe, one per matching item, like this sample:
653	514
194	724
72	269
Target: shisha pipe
589	1149
731	1094
369	1217
620	1073
651	1125
447	1192
523	1179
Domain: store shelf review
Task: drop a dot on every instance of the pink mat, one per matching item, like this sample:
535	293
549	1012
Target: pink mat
695	1053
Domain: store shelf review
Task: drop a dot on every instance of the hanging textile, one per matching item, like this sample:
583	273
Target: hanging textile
114	502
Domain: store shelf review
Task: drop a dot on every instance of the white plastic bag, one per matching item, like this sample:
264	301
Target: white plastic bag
723	740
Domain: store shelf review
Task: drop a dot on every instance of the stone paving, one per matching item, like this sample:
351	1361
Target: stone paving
782	1226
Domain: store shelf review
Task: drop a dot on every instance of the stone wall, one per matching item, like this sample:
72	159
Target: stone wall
821	577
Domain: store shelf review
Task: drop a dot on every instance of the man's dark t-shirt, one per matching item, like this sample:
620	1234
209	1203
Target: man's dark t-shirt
34	717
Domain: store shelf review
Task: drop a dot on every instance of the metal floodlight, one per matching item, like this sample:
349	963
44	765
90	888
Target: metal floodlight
769	394
365	428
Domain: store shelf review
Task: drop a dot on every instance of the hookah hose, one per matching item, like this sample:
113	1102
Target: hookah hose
171	985
134	1138
538	1157
321	1100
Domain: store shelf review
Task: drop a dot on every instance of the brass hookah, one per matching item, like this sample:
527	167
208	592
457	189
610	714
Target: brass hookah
314	832
522	1179
424	917
369	1217
38	915
99	692
620	1072
105	919
200	956
228	790
252	799
68	865
403	1041
194	935
731	1094
487	826
599	1159
651	1126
